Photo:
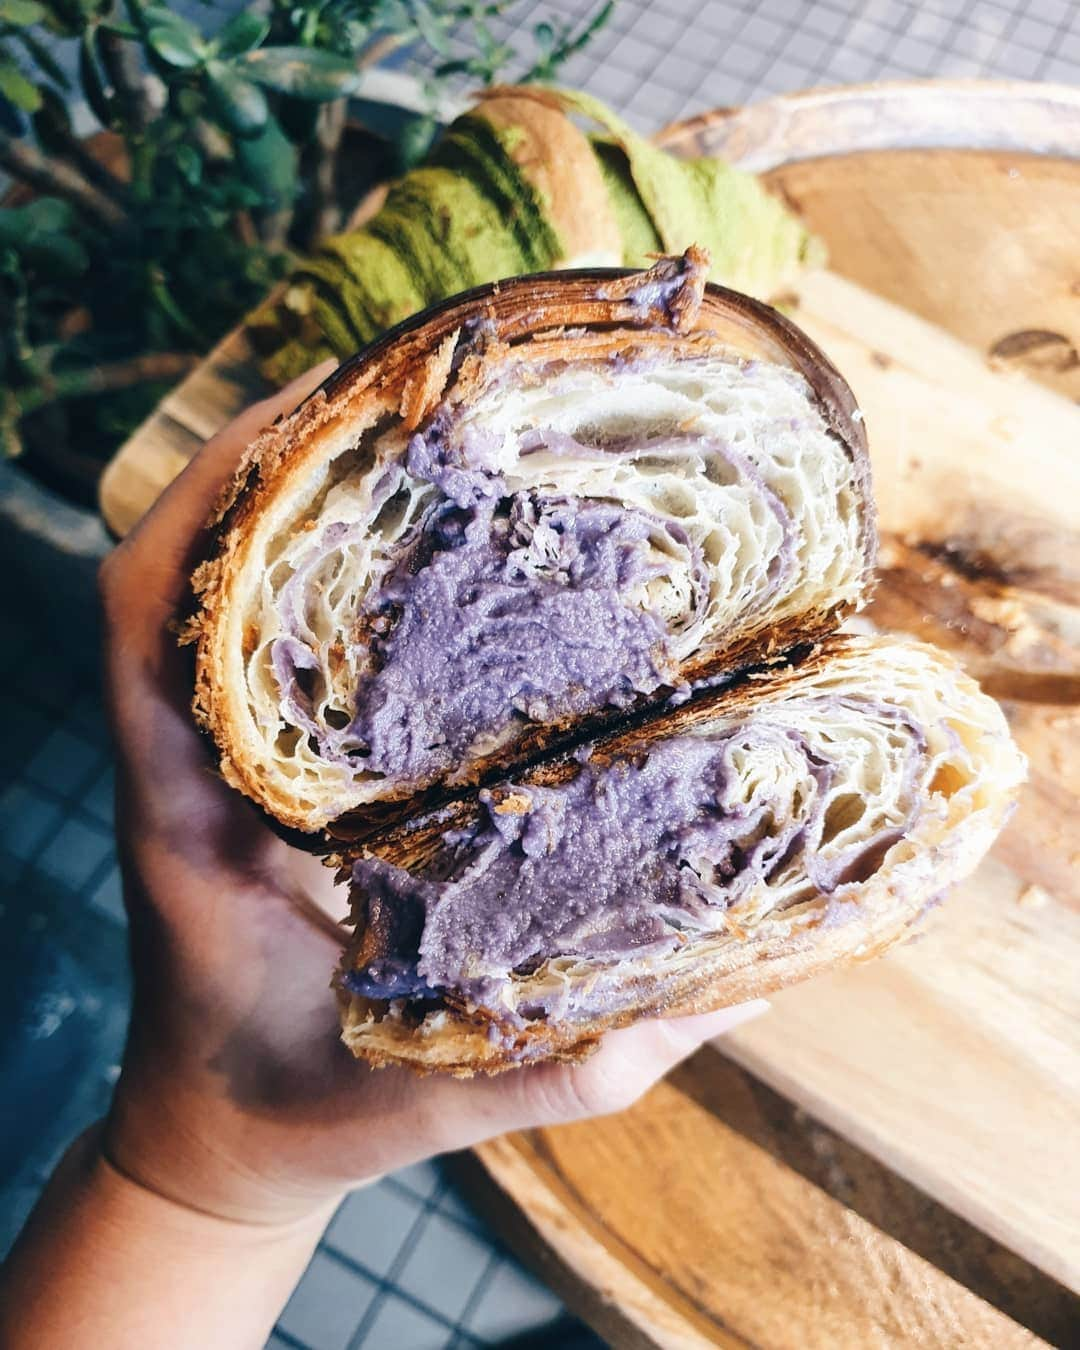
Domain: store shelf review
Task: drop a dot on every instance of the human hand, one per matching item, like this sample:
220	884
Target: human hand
237	1097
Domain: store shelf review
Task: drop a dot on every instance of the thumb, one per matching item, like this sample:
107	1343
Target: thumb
627	1064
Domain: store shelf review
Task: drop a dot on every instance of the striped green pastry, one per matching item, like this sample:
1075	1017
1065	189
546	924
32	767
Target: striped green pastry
517	186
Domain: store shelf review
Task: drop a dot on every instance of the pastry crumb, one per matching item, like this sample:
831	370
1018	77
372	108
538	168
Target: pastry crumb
1033	897
515	804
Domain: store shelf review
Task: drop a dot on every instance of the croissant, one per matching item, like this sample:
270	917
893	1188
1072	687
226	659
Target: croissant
529	614
536	507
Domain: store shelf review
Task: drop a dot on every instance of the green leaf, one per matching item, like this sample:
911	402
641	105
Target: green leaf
242	33
93	86
17	89
270	162
187	101
432	29
49	214
20	13
243	194
163	298
161	16
41	232
458	67
175	46
120	28
45	59
15	229
239	104
304	72
68	18
59	255
189	163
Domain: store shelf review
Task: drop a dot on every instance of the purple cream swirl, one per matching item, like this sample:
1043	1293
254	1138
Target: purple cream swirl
617	863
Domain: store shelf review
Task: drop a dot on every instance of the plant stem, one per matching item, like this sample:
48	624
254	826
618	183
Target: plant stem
71	148
273	228
379	49
121	61
325	209
101	379
244	229
25	162
211	140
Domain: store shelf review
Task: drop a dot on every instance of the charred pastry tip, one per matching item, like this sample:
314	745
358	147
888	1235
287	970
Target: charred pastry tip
669	293
422	391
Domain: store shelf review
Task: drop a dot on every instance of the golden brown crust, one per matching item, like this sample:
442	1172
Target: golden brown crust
568	316
449	353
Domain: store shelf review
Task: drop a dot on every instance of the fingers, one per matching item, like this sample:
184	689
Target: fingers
627	1064
459	1114
143	584
148	574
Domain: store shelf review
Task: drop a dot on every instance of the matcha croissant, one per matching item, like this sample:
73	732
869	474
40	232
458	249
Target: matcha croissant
516	186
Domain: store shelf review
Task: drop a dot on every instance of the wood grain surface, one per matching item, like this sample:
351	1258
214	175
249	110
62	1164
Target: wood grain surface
916	1181
770	1230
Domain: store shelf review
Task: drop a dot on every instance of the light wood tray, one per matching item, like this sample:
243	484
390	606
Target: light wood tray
932	1196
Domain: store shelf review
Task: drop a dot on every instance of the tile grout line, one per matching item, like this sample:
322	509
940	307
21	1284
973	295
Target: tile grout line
293	1342
1061	31
479	1289
387	1284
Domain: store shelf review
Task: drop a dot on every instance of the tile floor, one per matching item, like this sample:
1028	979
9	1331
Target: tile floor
660	60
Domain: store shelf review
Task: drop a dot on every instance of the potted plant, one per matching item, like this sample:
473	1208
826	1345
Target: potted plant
126	253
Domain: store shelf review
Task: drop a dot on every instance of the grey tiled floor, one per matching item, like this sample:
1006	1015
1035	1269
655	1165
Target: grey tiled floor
666	59
404	1265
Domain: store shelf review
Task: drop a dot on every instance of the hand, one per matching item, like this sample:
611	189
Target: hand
237	1097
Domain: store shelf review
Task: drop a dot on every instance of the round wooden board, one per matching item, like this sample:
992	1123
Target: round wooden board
959	201
715	1212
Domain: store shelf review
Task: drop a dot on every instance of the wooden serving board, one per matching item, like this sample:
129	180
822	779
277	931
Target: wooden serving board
932	1194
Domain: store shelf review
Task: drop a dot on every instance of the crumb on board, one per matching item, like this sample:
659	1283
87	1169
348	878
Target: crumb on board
1033	897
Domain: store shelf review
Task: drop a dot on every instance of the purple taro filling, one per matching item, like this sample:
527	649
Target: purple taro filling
506	606
617	863
503	606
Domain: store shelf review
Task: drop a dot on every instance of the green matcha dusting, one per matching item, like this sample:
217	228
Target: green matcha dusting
472	215
639	235
485	153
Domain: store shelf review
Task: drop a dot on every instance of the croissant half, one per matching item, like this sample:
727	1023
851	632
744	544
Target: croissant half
530	614
549	501
801	819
